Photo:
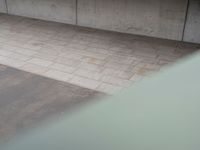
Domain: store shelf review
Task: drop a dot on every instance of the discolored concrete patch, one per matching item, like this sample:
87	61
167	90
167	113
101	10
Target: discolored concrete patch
27	99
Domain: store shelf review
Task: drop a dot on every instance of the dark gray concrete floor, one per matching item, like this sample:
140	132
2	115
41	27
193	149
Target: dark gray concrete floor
27	99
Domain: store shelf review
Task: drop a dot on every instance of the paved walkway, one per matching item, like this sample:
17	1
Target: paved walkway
100	60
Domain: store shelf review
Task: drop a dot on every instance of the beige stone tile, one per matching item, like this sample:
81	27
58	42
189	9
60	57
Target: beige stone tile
85	82
92	67
5	52
99	45
59	42
34	45
116	81
68	61
19	57
63	68
2	58
72	55
153	67
96	55
2	39
41	62
136	78
167	58
53	47
12	62
46	56
89	74
111	71
109	88
34	68
80	41
127	60
116	65
145	54
97	50
15	42
126	74
164	62
58	75
23	51
77	46
95	61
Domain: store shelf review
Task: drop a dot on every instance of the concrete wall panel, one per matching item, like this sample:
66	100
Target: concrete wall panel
192	29
157	18
3	6
54	10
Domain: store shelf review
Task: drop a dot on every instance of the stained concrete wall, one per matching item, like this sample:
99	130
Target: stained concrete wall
3	6
157	18
192	29
55	10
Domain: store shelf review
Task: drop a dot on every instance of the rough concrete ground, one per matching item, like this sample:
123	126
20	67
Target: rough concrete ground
100	60
27	99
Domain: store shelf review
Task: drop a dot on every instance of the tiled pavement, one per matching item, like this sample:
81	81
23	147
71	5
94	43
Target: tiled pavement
100	60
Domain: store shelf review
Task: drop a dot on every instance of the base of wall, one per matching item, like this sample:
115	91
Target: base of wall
157	18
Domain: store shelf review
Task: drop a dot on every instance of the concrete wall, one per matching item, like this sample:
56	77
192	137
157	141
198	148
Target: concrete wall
192	29
157	18
3	6
55	10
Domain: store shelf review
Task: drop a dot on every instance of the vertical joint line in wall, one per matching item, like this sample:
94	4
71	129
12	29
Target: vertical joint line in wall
6	6
76	12
186	17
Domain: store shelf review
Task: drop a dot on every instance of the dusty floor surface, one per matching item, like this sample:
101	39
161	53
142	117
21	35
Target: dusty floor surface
95	59
27	99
